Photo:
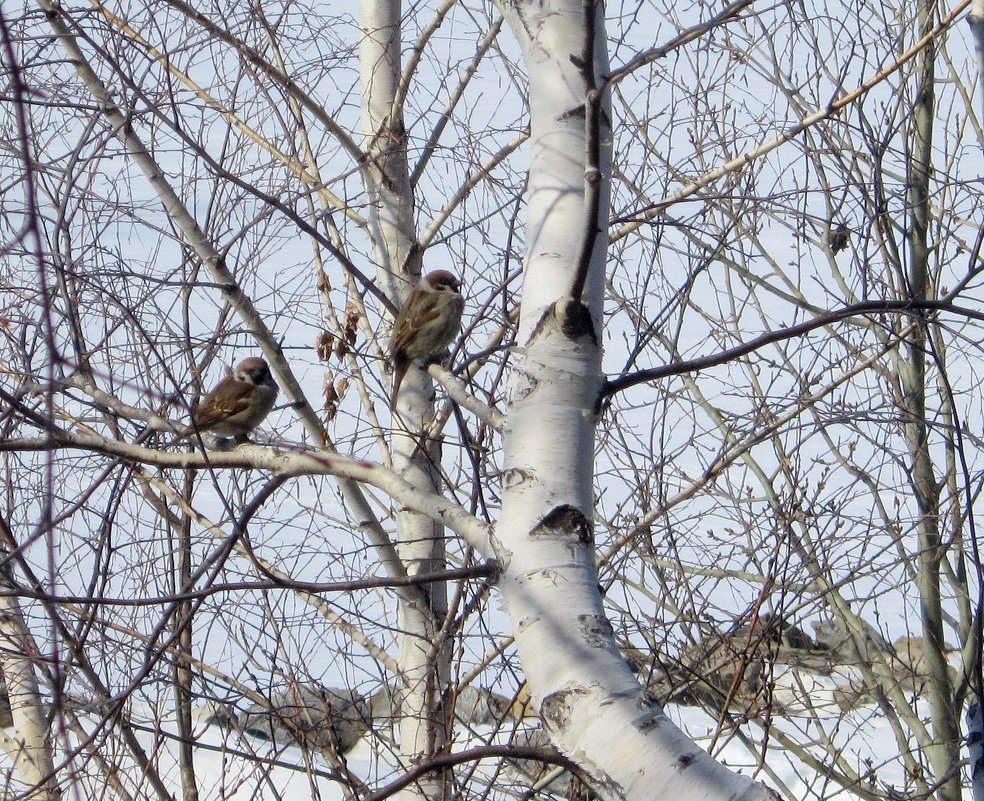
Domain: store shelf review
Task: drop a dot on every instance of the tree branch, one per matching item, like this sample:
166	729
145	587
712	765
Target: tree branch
471	755
640	216
855	310
288	463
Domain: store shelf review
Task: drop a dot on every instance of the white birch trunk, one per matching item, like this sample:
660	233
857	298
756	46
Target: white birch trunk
976	19
589	700
386	176
975	745
30	745
423	668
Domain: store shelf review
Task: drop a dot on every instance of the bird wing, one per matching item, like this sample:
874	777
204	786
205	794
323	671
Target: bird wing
412	317
219	407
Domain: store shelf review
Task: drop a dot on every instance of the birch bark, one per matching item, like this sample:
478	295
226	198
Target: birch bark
424	659
589	700
944	752
30	746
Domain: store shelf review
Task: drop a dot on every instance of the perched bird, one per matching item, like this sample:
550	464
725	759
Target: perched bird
838	238
428	322
309	714
834	635
239	403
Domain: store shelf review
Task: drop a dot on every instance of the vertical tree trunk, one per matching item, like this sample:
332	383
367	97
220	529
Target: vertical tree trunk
181	674
588	698
975	744
31	746
424	662
944	754
976	19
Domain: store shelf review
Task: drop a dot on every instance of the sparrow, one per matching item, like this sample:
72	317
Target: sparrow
428	322
238	403
838	238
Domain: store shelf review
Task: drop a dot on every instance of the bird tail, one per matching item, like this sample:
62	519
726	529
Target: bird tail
400	366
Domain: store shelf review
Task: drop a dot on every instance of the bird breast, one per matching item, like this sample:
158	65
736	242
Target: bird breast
438	332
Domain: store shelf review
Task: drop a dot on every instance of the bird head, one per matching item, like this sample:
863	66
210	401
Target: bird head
252	370
441	281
